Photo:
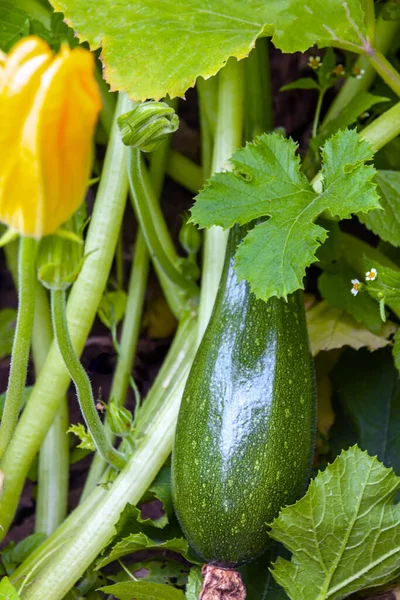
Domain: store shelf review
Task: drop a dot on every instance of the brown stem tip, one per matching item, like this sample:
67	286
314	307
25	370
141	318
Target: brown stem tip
221	584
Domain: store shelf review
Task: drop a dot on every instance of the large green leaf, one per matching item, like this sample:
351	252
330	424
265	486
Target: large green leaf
386	222
367	395
267	181
151	48
344	534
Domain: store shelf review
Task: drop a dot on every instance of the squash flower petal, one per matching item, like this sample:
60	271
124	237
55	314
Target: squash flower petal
49	106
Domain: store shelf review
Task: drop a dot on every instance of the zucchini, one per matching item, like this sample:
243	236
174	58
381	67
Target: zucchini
246	427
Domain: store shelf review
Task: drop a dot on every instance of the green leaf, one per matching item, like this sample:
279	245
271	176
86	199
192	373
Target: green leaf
112	308
141	60
8	317
142	590
335	287
330	328
194	584
14	555
301	25
165	570
304	83
386	222
344	534
86	440
140	541
358	105
7	590
160	489
386	286
14	25
391	10
370	404
266	181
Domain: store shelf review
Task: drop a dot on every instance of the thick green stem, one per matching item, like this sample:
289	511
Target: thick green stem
228	138
258	116
157	237
384	129
369	10
36	10
208	107
84	299
82	383
127	347
52	491
22	340
386	32
185	172
386	70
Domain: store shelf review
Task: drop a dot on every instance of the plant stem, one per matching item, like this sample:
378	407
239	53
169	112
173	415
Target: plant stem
321	95
156	234
185	172
178	360
384	129
82	383
386	70
370	20
86	536
22	340
258	116
207	91
108	98
228	138
119	261
52	491
386	32
84	299
127	348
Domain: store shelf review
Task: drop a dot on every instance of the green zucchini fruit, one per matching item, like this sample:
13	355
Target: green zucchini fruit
246	427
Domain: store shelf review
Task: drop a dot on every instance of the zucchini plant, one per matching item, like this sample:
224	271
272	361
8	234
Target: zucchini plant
280	287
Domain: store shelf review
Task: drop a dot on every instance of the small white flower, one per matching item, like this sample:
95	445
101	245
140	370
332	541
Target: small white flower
356	287
314	62
371	275
358	73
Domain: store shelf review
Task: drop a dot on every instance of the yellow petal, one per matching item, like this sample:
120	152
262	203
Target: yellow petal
46	175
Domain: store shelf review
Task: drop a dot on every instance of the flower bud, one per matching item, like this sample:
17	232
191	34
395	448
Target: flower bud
49	106
60	256
119	419
190	238
147	125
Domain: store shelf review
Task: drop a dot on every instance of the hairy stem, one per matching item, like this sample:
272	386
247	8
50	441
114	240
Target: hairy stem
84	299
22	340
155	232
82	383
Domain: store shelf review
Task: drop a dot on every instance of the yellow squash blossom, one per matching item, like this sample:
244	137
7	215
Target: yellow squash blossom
49	105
